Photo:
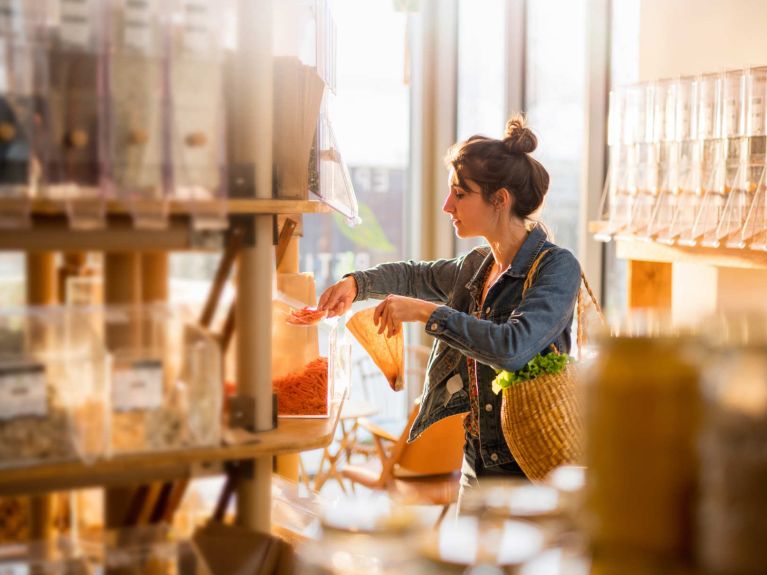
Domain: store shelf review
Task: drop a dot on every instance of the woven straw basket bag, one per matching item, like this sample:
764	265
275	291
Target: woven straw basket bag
541	418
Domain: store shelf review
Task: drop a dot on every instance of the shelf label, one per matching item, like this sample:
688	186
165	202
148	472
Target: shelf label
138	386
22	391
76	22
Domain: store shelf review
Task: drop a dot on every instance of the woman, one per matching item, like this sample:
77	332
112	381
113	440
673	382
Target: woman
473	305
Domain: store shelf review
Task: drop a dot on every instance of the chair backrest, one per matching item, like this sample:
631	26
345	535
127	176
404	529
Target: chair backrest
439	450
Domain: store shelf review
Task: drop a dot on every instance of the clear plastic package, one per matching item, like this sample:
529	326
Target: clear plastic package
146	550
23	50
197	111
137	103
311	364
166	378
53	388
75	112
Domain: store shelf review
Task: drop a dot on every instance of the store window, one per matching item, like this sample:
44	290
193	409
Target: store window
370	114
481	89
554	100
624	69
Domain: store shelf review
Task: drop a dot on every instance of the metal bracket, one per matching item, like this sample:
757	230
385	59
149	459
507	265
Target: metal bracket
242	412
206	239
242	181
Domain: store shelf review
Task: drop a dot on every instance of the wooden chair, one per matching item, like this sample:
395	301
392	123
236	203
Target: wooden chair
425	472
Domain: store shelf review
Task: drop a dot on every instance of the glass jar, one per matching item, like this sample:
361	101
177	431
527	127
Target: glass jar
642	398
732	510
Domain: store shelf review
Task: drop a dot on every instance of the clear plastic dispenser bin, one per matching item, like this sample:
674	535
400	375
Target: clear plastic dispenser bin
311	364
76	116
648	160
732	206
137	100
335	183
735	228
679	193
53	388
610	216
300	73
197	111
21	45
710	164
166	380
668	152
755	229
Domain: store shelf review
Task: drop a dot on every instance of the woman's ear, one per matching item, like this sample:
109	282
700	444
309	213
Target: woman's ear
504	199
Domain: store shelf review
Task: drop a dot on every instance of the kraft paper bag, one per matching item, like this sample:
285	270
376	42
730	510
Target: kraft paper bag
386	352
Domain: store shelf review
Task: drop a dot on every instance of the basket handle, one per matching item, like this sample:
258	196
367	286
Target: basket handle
580	336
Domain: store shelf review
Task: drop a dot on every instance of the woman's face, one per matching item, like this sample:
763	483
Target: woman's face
470	214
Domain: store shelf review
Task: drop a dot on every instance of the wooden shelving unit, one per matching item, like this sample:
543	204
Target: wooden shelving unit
135	264
292	435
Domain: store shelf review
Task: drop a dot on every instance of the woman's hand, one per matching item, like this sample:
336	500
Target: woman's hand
338	298
396	309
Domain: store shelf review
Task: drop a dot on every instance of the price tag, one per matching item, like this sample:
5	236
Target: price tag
76	22
137	25
138	386
23	391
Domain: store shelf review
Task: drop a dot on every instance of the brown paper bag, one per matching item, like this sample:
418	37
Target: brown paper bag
386	352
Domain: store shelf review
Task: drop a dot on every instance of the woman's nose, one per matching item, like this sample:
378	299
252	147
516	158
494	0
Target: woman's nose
447	207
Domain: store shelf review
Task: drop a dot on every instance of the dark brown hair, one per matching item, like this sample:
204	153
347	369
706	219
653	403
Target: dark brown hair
495	164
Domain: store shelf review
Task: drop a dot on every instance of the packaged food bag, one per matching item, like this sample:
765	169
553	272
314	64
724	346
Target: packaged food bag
386	352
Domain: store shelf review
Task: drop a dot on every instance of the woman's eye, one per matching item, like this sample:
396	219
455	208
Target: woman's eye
459	195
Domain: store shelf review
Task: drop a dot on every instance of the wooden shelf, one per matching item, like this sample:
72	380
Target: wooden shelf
649	251
291	436
179	207
51	231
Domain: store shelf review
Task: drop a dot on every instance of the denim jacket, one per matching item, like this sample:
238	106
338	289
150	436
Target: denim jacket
507	334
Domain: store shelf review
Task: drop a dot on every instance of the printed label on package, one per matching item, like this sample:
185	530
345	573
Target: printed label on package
76	19
138	386
137	26
22	391
196	26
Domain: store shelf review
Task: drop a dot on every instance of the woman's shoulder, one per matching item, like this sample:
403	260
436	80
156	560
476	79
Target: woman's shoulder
559	257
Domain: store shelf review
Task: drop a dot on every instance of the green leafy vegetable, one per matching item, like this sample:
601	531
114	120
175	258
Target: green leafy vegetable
551	363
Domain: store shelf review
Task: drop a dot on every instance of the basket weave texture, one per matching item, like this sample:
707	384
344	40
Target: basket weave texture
541	418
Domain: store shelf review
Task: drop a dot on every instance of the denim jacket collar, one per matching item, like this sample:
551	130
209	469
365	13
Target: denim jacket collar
523	259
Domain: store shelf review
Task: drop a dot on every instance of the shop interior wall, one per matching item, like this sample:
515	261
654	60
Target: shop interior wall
680	37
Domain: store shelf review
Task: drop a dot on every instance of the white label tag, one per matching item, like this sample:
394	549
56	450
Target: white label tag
454	385
22	391
137	25
196	25
138	386
76	22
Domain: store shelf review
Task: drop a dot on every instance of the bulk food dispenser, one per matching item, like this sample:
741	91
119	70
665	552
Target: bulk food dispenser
137	105
750	189
198	111
709	171
677	203
54	386
74	122
21	86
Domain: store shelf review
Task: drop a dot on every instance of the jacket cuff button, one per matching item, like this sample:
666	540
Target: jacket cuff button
434	326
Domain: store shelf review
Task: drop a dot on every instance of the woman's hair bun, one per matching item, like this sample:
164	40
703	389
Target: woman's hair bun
519	139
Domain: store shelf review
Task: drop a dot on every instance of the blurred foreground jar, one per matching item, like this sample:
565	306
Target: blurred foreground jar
642	410
732	514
